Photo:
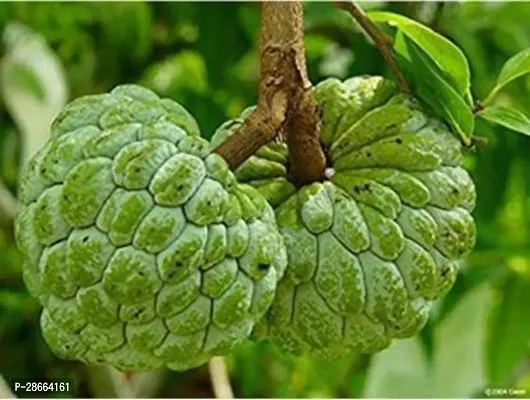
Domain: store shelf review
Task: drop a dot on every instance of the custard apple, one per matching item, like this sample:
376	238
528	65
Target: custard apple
373	245
139	243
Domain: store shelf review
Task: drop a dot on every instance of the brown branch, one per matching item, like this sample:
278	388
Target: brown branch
285	104
382	42
260	127
220	379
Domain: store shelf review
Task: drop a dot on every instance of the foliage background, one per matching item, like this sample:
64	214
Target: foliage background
204	56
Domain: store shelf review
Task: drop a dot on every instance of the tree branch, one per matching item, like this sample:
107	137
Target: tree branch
382	42
220	379
285	106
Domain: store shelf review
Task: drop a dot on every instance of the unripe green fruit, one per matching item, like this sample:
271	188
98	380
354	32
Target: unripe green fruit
372	247
139	243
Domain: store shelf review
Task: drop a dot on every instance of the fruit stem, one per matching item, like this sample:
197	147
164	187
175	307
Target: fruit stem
286	107
382	42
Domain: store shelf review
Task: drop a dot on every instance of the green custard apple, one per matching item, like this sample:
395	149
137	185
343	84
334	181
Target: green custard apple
139	243
374	244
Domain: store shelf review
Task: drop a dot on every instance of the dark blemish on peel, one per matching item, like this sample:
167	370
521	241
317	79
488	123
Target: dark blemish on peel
138	312
263	267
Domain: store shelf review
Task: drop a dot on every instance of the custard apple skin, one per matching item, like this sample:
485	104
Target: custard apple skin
138	242
373	246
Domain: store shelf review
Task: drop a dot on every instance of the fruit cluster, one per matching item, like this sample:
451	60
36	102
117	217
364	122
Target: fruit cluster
145	250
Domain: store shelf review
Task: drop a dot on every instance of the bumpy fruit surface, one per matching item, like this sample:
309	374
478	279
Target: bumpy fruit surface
142	248
372	247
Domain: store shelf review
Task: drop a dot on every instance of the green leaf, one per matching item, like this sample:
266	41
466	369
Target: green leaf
33	83
514	68
400	371
219	58
508	117
127	28
456	369
510	330
459	346
23	77
431	87
177	75
447	56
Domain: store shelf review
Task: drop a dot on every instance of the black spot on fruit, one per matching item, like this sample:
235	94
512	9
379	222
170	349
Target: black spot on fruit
399	141
138	312
368	154
85	239
263	267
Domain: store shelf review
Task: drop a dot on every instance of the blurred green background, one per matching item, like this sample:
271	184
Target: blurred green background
204	56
